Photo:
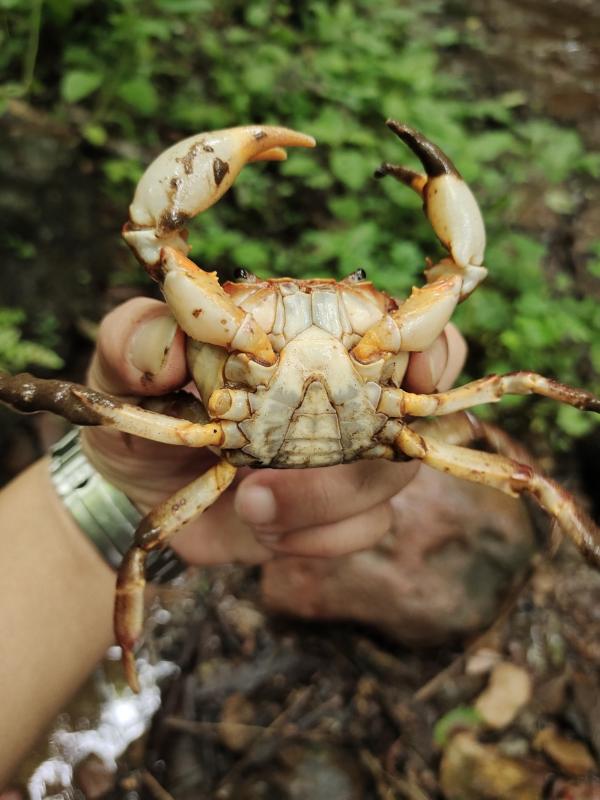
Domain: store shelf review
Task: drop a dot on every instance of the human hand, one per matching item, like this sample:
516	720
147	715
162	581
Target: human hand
314	512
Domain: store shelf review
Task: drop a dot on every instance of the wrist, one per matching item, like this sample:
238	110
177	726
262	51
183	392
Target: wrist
102	511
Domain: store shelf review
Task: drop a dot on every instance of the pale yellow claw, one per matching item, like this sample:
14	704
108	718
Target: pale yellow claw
416	324
449	204
193	175
183	181
206	313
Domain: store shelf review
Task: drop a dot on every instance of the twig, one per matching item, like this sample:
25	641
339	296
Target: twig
407	789
154	787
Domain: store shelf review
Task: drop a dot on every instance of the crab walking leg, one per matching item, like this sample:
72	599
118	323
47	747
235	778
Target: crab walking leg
464	428
398	403
153	532
508	475
449	206
84	406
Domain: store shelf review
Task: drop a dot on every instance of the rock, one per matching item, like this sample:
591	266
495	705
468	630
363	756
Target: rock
442	571
508	691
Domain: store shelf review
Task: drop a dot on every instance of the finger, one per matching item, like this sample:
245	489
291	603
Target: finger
140	351
457	355
337	539
436	368
219	536
275	502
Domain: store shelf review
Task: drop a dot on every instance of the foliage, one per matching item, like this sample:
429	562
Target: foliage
146	72
16	353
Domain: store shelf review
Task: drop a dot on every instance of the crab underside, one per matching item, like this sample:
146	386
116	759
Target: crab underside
304	373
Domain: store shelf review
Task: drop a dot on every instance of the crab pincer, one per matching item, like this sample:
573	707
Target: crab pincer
454	214
183	181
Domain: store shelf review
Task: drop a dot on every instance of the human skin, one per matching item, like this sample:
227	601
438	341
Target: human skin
57	593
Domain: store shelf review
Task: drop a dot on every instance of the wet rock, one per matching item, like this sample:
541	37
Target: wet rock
442	571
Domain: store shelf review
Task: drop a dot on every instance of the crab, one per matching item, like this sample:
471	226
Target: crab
303	373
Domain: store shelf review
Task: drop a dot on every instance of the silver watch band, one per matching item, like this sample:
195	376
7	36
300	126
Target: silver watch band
103	512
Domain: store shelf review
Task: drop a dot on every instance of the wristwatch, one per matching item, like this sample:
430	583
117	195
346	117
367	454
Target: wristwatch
103	512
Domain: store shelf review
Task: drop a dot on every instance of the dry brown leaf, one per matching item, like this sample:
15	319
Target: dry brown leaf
508	691
571	756
235	729
473	771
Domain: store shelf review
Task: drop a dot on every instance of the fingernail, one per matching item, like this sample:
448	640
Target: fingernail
256	505
151	343
437	358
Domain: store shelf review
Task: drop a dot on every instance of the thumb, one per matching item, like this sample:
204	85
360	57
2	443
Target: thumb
140	350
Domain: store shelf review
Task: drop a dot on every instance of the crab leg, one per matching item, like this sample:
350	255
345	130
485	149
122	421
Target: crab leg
465	428
84	406
398	403
153	532
508	475
183	181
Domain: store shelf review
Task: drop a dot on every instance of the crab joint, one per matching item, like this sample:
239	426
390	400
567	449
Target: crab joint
229	404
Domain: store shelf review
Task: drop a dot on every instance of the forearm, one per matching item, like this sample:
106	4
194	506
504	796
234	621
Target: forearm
56	597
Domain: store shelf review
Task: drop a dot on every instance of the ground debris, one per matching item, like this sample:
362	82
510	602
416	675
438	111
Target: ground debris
473	771
509	690
573	757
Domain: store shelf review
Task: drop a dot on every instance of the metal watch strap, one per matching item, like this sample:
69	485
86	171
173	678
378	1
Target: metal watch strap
102	511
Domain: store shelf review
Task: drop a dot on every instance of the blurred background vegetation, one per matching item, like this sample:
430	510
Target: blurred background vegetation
90	92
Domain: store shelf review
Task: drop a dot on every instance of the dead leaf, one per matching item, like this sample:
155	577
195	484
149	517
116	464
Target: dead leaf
508	691
235	730
473	771
571	756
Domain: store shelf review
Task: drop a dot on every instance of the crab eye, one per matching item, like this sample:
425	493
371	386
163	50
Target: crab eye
358	275
243	275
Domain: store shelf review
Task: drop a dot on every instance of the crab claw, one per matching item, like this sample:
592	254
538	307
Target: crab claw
449	205
190	177
206	313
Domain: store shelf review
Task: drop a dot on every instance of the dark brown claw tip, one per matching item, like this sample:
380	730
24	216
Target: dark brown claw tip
435	161
382	170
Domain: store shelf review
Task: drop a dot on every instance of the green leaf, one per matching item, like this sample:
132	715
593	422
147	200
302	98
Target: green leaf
573	421
78	84
458	718
95	134
140	94
350	167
